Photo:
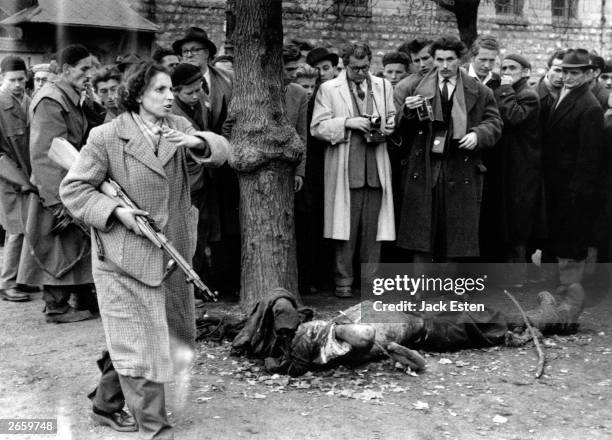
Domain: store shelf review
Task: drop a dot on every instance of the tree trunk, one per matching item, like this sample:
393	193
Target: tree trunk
466	12
266	150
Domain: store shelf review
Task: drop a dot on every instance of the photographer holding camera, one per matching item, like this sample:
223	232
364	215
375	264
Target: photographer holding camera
354	113
447	118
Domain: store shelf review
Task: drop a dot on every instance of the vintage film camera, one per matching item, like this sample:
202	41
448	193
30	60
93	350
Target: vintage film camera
425	110
375	135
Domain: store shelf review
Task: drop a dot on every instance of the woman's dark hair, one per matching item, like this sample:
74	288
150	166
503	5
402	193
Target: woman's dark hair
137	79
448	43
71	55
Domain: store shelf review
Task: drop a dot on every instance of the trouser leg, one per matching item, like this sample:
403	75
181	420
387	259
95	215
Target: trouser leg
345	249
108	396
85	297
56	299
10	266
370	247
570	271
146	401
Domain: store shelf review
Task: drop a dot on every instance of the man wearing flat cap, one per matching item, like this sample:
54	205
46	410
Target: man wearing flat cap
14	149
43	73
520	151
324	61
572	155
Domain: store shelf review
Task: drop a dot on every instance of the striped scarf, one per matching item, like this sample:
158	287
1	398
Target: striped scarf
151	132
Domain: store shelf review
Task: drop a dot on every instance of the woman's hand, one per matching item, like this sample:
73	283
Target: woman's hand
182	139
127	216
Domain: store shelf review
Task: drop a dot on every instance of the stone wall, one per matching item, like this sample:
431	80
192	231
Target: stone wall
534	34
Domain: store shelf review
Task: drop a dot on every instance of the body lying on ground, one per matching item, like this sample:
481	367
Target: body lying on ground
292	343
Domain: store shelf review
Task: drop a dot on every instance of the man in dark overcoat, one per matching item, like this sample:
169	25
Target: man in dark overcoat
442	187
572	153
196	48
520	152
59	253
14	135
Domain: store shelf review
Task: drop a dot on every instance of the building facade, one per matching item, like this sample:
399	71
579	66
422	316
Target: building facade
532	27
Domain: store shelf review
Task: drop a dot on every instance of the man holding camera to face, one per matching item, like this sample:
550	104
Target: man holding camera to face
450	118
353	113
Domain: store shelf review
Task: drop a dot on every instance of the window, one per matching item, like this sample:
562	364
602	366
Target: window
509	7
564	9
354	8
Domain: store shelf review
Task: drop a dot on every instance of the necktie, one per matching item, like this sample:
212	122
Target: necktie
205	86
360	92
445	89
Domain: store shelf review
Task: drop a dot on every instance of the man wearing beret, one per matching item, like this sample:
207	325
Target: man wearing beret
520	151
187	83
14	129
572	154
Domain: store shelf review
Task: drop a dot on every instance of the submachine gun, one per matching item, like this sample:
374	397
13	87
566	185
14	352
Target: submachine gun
64	154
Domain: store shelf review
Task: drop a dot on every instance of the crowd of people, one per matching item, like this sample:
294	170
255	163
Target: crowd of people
441	159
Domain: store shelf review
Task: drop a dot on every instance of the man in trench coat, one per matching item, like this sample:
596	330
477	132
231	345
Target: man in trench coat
59	254
358	196
443	181
573	151
14	135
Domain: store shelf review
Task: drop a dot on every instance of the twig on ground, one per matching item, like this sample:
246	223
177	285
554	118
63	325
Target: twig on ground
541	356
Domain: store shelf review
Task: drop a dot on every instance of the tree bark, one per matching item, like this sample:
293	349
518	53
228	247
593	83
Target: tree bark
466	12
265	151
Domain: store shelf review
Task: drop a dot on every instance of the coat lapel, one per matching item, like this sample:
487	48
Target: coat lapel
166	151
565	106
470	91
137	146
345	93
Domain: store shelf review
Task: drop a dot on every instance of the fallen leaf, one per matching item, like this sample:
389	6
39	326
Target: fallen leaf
499	419
420	405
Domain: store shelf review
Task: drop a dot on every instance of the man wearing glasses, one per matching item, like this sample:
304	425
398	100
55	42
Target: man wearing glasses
197	49
353	113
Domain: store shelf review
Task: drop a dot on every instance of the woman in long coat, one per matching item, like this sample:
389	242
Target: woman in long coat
149	320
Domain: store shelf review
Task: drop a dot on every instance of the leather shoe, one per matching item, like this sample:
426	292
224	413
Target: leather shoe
71	315
15	295
343	292
120	420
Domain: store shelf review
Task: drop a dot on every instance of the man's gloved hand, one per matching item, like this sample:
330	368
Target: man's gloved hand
62	218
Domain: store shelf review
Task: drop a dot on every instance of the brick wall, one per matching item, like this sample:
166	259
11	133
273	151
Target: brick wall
535	33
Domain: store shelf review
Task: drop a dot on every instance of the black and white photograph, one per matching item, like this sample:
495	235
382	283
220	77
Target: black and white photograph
306	219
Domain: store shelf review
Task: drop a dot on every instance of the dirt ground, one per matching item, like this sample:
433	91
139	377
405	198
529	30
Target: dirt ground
48	369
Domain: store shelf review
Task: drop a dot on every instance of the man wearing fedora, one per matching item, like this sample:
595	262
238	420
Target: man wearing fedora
324	61
197	49
572	153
